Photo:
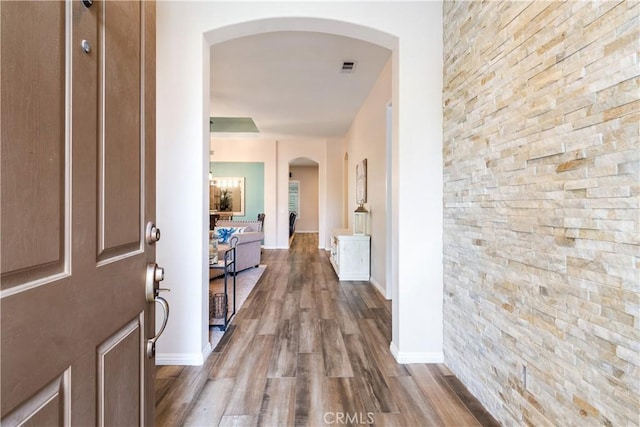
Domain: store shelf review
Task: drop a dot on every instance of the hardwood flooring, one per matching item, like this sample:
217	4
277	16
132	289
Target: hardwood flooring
308	350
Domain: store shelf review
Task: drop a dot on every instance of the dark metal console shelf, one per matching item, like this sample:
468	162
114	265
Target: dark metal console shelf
228	265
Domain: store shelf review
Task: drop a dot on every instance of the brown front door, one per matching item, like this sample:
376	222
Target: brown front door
77	120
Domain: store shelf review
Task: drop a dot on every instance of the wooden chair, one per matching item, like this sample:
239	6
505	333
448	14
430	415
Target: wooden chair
261	219
292	223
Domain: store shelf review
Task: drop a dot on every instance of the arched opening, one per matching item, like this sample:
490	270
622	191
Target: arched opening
306	175
304	196
310	165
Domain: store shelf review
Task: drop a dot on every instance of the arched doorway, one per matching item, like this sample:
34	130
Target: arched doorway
303	196
288	153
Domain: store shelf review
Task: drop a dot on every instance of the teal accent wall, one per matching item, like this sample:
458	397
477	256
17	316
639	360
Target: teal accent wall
253	173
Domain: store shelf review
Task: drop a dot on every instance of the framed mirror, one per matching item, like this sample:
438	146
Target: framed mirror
226	194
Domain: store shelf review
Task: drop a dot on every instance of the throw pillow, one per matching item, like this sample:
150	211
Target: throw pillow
224	234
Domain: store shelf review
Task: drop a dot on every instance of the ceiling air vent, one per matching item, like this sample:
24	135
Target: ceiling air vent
348	67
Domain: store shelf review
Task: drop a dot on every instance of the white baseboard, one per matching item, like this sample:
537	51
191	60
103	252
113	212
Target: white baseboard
406	357
379	288
206	351
182	359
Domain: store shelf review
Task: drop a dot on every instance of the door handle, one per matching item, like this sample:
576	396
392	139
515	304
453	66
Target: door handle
154	276
151	342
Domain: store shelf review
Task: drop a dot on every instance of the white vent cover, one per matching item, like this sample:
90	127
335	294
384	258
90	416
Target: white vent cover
348	67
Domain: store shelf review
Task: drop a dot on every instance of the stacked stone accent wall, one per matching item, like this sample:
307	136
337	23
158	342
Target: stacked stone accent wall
541	195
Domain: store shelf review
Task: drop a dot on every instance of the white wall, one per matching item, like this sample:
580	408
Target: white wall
413	31
307	176
367	139
254	150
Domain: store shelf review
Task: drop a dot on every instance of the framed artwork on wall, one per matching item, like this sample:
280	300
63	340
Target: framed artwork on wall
226	194
361	182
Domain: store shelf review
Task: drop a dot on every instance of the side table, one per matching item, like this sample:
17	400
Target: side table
228	265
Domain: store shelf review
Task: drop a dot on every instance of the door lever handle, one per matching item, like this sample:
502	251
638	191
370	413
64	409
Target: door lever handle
154	276
151	342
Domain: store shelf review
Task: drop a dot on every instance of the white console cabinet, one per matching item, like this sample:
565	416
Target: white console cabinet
350	255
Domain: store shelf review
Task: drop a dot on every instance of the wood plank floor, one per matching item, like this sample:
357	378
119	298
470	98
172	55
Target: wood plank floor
306	349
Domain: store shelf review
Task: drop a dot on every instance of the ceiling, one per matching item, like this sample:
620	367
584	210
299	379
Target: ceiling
290	82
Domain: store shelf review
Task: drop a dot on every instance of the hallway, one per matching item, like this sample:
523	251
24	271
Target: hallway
306	349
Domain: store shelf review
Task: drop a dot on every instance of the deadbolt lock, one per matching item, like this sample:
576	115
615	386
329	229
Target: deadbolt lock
152	233
154	276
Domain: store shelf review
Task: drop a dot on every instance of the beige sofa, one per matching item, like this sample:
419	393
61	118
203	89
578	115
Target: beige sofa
248	246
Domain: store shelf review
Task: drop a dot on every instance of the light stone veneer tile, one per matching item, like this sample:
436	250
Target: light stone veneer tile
541	220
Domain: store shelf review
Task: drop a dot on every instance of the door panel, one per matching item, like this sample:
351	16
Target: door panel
49	407
119	391
120	75
83	325
33	246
